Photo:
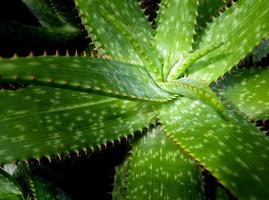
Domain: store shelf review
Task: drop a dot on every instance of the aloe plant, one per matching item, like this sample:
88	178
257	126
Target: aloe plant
177	75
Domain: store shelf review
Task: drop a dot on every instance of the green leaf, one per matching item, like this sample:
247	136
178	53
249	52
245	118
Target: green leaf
120	180
179	68
51	13
240	28
235	152
196	90
44	190
34	35
247	89
9	189
207	11
261	51
84	74
158	170
221	194
121	30
47	121
43	11
175	31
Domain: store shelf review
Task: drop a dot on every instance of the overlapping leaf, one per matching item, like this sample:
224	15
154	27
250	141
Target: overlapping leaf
43	190
175	31
238	36
55	27
247	89
45	14
33	35
120	28
261	51
9	189
207	11
159	171
85	73
196	90
52	13
120	180
43	121
235	152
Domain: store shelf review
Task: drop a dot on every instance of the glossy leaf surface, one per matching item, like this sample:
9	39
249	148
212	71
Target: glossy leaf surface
86	74
120	29
247	89
235	152
9	190
49	121
232	28
158	170
175	31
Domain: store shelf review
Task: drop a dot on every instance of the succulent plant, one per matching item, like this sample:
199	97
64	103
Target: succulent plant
175	77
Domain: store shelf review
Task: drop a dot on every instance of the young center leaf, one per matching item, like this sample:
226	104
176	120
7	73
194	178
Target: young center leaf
175	31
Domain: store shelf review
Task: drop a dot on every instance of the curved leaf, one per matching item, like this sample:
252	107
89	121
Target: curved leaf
43	190
9	190
42	121
245	23
207	11
51	13
196	90
86	74
121	29
159	171
247	89
45	14
261	51
120	180
235	152
34	35
175	31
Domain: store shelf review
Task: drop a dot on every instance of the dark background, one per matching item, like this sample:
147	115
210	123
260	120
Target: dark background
83	175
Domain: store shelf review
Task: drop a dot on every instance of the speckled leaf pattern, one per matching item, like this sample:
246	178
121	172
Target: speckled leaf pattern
207	10
196	90
77	103
175	31
235	152
180	67
247	89
9	190
86	74
120	29
37	125
239	37
261	51
120	180
158	170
